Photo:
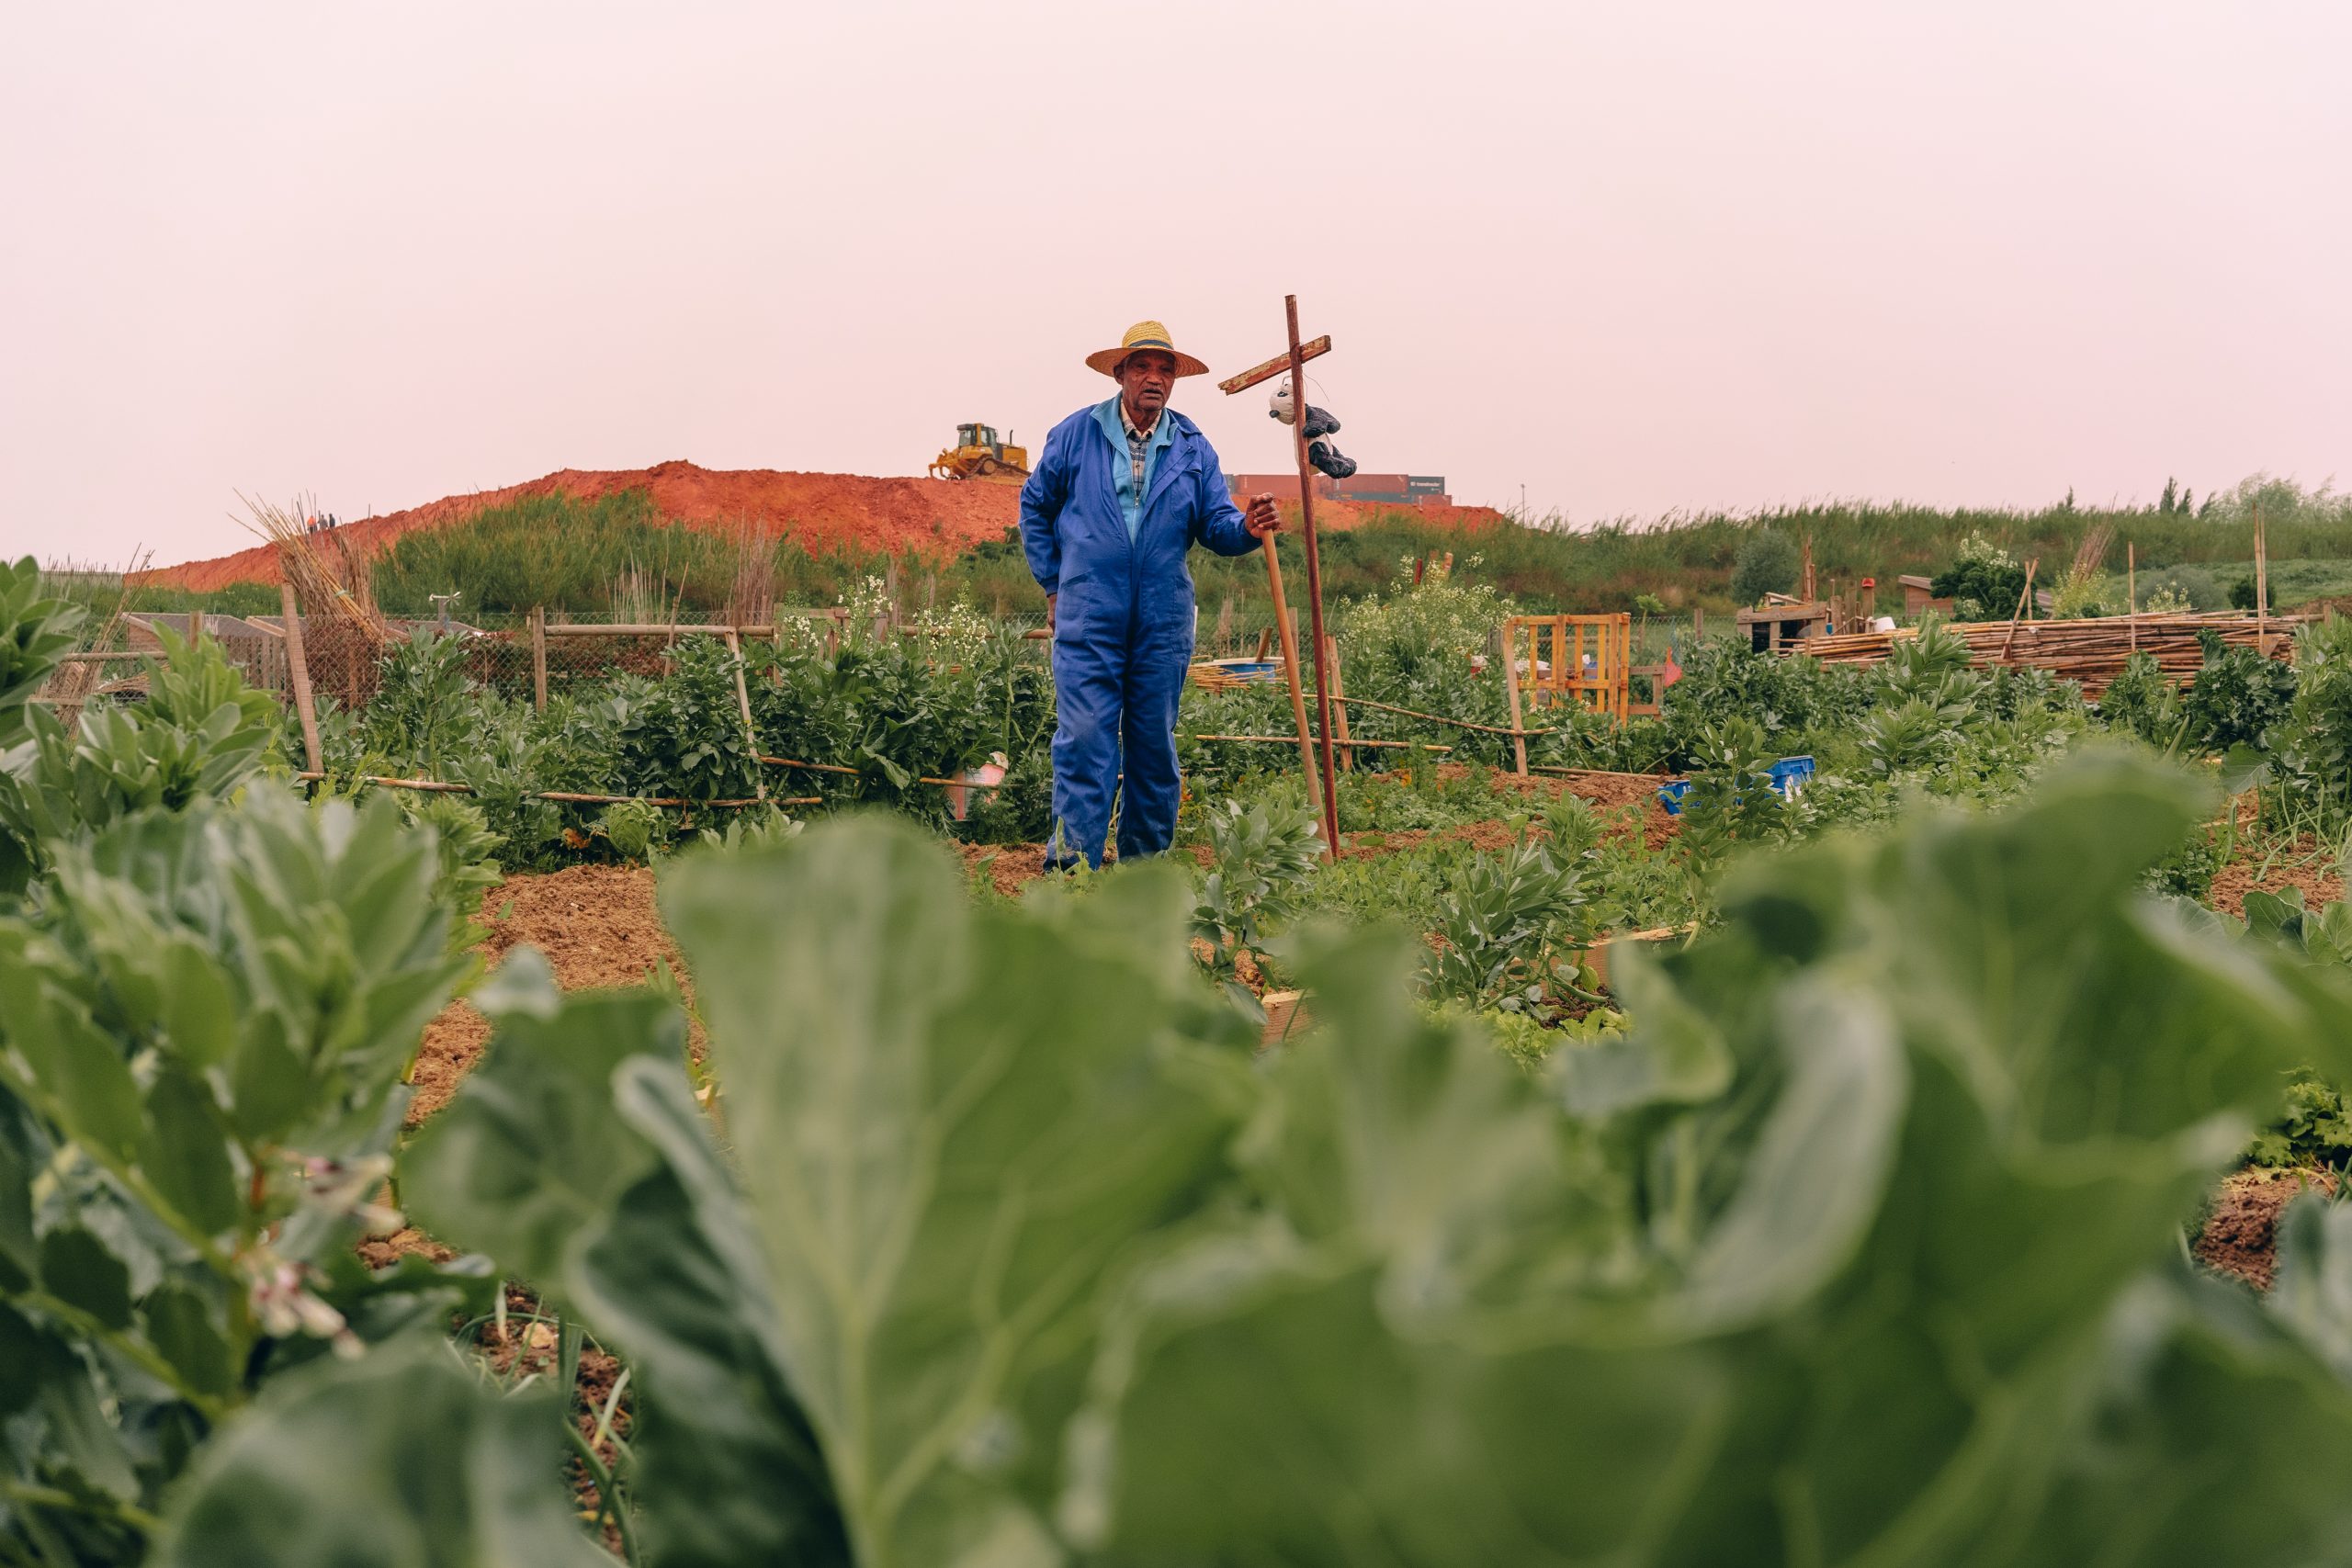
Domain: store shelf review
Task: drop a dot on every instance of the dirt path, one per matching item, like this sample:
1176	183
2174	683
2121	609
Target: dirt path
596	924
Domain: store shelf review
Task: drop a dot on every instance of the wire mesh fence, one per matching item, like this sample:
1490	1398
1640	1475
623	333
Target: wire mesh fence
540	656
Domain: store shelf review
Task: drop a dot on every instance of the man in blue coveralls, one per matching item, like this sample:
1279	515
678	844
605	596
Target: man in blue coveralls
1123	490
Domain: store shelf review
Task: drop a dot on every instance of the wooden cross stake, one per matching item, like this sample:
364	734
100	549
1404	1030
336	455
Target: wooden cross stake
1294	362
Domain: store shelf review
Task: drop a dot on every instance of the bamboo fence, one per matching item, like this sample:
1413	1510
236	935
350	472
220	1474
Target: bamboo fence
2092	651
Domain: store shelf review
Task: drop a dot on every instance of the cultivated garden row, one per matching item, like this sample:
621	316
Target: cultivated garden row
983	1232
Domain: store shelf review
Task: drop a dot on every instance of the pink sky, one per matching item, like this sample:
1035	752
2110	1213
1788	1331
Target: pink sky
1633	257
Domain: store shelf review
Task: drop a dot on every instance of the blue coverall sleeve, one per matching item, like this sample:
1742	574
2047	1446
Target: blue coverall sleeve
1043	495
1218	523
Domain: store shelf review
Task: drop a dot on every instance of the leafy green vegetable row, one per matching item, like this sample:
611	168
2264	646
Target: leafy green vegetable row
1864	1246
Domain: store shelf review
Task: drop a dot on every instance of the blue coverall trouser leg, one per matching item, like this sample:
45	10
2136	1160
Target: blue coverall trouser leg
1116	687
1156	665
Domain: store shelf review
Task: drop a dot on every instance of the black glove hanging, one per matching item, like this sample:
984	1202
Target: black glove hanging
1320	425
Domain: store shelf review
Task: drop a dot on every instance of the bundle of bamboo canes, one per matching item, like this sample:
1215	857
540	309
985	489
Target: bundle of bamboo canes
2090	651
331	581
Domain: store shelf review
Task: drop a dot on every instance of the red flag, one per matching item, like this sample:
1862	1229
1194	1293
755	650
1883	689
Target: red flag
1671	674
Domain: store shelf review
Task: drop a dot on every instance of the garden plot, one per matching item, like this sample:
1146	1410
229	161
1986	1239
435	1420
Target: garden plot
1855	1237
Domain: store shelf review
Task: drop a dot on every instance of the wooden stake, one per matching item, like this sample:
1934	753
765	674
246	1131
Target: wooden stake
2025	597
539	657
743	705
1339	695
1289	633
1313	571
2131	590
1510	685
298	672
2261	586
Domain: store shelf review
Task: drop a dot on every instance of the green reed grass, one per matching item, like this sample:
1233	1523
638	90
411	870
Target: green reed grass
571	555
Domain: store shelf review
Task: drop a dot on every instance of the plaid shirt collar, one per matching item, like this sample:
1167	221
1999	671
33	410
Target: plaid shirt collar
1134	436
1139	444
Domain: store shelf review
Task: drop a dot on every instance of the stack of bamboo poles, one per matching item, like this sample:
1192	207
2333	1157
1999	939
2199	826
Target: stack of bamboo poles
1209	677
333	590
2092	651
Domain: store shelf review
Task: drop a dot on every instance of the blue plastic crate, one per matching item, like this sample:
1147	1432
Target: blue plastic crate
1790	775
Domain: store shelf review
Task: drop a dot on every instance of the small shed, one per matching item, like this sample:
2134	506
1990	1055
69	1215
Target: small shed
1919	597
1782	623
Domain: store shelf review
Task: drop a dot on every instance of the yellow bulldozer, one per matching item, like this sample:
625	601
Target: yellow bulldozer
978	455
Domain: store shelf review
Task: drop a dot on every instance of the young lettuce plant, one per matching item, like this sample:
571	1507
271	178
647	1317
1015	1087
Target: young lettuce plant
34	633
862	1348
1862	1247
204	1022
1499	928
201	732
1261	856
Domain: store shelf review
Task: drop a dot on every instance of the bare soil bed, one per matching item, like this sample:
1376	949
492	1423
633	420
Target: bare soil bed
2302	864
2239	1236
598	926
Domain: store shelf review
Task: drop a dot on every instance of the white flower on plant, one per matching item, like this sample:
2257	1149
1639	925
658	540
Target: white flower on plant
279	1293
349	1188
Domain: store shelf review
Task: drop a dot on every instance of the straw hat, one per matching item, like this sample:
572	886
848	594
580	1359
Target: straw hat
1145	334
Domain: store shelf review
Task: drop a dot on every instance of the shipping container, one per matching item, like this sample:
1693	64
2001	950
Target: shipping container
1281	487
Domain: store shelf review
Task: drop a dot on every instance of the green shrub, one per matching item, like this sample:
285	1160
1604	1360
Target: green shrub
2142	701
682	735
2238	696
1783	695
1766	562
2315	1128
2312	746
1983	581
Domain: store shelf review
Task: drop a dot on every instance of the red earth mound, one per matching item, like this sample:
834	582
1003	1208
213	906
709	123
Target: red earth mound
822	511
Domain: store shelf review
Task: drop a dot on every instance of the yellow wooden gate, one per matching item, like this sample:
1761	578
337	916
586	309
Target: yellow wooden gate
1572	658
